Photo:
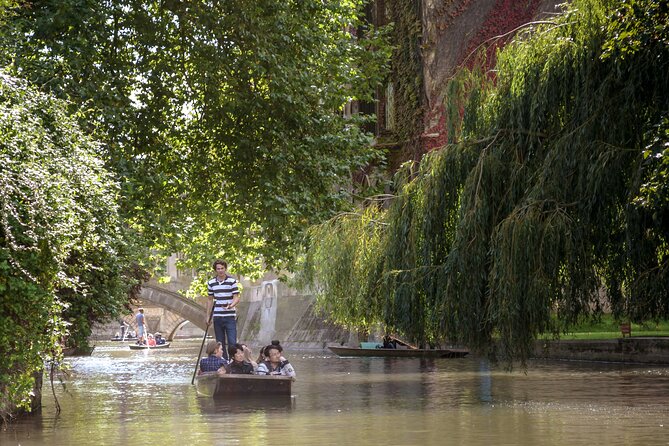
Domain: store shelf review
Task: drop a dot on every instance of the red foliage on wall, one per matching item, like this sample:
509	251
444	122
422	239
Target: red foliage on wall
503	17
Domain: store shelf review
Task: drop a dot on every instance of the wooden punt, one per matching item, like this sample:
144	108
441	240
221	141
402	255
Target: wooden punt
216	386
399	352
146	347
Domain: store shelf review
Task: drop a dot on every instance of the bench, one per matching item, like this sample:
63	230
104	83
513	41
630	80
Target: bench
626	329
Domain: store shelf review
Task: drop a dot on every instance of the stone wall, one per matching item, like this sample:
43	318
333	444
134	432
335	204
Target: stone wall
283	314
650	350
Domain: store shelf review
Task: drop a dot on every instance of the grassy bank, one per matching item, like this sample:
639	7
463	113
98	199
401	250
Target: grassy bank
608	328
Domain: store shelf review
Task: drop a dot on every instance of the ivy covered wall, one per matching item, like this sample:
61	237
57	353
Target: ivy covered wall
431	39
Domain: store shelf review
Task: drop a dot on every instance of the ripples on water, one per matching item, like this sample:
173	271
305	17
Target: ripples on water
118	396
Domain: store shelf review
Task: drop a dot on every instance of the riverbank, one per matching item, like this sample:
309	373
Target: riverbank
640	349
293	319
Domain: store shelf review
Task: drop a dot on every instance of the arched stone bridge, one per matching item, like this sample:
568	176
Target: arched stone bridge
181	309
267	311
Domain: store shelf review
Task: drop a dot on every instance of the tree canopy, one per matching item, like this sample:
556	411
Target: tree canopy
550	205
221	119
143	127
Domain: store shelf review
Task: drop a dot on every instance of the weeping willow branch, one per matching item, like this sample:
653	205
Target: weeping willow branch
554	204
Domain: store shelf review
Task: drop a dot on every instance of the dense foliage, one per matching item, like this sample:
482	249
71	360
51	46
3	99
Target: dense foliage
554	202
220	119
220	135
62	250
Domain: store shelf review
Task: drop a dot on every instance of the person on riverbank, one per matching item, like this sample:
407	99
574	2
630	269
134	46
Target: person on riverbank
141	325
214	362
239	363
276	364
223	298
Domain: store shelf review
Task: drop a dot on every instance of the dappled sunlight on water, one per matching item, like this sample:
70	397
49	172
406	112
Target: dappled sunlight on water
120	396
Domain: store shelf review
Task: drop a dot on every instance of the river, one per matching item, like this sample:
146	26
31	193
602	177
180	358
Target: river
122	397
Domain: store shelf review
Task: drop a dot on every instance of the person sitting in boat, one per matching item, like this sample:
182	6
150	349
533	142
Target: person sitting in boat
214	362
276	364
264	352
389	342
248	356
160	340
239	365
151	342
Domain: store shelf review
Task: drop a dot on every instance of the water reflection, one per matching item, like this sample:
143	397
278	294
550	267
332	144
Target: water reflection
246	405
118	396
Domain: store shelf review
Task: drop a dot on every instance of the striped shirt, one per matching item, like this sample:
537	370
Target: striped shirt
223	292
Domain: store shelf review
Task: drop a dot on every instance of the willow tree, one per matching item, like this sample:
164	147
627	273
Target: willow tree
552	204
62	246
221	119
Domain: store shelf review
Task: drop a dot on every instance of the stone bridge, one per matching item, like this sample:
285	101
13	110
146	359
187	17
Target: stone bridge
267	311
181	309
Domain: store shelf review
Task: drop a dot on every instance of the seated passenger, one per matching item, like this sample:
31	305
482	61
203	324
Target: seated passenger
214	362
264	352
239	365
262	356
276	364
160	340
151	342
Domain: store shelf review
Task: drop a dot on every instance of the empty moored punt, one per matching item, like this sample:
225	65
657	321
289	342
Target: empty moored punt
213	385
146	347
399	352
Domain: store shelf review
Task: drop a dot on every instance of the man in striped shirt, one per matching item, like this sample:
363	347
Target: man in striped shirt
223	298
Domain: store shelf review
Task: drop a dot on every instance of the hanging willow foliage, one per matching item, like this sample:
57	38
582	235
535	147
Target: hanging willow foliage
554	202
342	259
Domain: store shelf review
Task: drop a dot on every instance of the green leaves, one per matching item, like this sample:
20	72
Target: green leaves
203	102
553	203
58	228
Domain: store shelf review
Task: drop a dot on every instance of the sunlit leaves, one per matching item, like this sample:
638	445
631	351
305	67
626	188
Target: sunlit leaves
200	102
59	229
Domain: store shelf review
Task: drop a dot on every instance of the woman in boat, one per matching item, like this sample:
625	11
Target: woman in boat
239	364
214	362
264	352
151	342
276	364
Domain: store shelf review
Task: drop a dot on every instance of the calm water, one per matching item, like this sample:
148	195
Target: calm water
118	397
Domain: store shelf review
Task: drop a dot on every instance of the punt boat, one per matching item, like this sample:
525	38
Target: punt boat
401	352
146	347
216	386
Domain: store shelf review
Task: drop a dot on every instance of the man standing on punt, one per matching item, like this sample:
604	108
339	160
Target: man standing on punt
223	297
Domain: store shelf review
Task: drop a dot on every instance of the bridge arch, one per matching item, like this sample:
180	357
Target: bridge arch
183	309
